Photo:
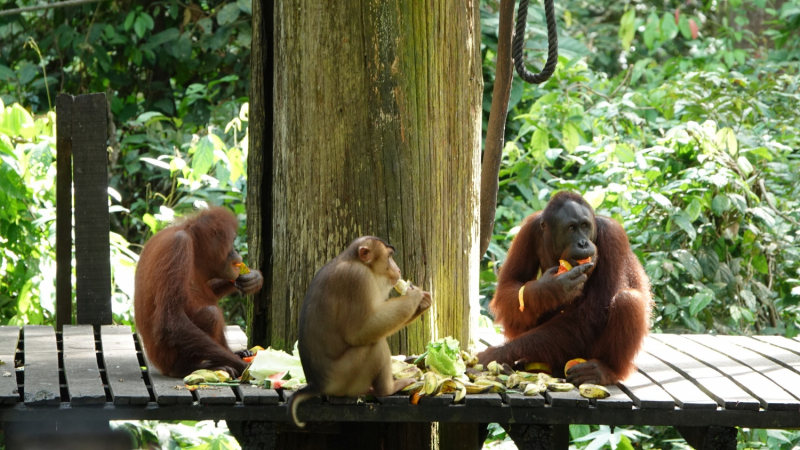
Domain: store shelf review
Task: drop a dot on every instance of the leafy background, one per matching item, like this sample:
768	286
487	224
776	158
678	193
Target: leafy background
678	118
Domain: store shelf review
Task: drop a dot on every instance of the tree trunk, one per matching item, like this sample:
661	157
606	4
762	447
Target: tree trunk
377	127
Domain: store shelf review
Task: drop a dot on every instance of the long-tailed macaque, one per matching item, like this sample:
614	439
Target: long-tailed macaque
344	322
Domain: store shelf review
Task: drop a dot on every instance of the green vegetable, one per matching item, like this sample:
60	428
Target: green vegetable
444	357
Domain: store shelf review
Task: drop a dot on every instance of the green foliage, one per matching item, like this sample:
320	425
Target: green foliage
189	435
145	55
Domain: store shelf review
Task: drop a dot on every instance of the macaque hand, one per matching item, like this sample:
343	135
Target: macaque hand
250	283
569	285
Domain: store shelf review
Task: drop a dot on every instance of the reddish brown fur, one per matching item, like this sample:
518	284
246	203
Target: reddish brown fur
606	323
182	273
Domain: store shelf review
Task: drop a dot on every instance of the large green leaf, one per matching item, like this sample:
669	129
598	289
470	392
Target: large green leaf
685	224
690	263
627	29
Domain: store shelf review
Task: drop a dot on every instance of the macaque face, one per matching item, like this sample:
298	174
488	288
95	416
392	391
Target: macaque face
378	257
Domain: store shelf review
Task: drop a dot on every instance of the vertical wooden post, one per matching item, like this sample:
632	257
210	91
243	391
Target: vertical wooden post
63	211
260	170
84	119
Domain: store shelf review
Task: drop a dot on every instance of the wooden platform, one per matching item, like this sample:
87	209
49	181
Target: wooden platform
688	380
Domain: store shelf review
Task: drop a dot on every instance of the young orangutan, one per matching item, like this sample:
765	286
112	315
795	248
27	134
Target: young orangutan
182	273
344	322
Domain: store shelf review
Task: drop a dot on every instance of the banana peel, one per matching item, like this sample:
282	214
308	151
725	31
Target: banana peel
560	387
593	391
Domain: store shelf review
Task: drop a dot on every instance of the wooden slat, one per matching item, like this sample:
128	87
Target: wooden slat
216	395
483	400
84	382
63	210
254	395
793	358
716	385
165	388
92	250
783	377
617	400
646	394
771	396
9	338
236	338
123	371
394	400
41	366
346	400
525	401
685	393
571	399
439	400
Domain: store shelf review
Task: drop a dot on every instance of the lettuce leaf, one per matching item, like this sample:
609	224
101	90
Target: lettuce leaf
270	361
444	357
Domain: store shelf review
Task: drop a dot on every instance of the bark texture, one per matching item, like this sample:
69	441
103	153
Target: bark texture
376	132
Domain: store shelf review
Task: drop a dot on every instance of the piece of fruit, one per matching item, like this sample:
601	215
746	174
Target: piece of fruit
532	389
538	367
584	261
473	388
242	268
415	398
513	381
249	359
494	368
593	391
522	298
432	385
560	387
573	362
563	267
402	286
202	376
413	387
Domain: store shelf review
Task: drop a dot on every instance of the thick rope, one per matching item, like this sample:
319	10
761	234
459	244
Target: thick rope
519	42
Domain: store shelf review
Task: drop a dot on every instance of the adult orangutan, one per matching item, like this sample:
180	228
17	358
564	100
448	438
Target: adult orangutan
598	311
182	273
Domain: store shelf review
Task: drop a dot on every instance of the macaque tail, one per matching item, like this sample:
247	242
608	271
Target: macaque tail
299	397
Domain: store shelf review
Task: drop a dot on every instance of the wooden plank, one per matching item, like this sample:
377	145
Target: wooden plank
165	389
216	395
394	400
92	250
780	355
439	400
236	338
254	395
771	396
41	366
571	399
84	382
346	400
646	394
685	393
9	339
783	377
617	400
63	210
525	401
787	344
124	374
483	400
716	385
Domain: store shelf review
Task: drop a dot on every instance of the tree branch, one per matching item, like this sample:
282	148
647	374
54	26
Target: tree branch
9	12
